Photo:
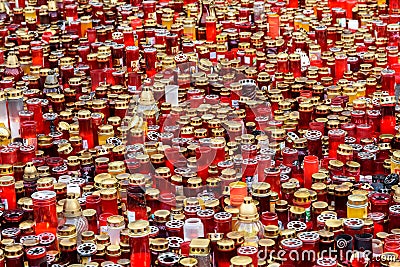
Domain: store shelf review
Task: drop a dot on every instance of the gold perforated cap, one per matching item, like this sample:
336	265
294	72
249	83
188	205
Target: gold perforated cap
241	261
248	210
139	228
188	262
72	208
83	114
357	199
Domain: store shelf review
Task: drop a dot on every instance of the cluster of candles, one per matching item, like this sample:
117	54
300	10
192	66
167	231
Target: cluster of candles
199	133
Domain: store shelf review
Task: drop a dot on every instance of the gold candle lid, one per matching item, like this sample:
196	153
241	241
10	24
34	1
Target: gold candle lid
248	210
188	262
199	246
161	215
115	221
357	200
237	237
159	244
225	244
271	231
241	261
67	244
66	230
72	208
333	224
13	251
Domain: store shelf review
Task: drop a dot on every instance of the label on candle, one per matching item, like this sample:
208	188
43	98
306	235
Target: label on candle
174	50
341	22
308	214
235	103
73	189
247	60
282	145
135	65
353	24
131	216
85	144
272	206
103	229
179	190
31	142
152	16
118	62
213	55
304	59
131	88
314	56
151	40
5	203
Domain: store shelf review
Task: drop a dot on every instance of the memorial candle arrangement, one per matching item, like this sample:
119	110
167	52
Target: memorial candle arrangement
199	133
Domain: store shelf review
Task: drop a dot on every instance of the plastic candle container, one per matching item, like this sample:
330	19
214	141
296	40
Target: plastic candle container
139	243
44	211
311	166
7	193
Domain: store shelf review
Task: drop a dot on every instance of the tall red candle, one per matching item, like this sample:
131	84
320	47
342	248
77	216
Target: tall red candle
310	167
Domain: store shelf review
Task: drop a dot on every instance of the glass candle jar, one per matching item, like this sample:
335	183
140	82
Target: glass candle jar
394	217
139	242
136	204
340	65
238	191
85	128
357	206
388	81
225	251
160	219
7	192
193	228
272	176
211	23
274	22
391	243
109	202
15	104
36	256
91	217
14	255
292	246
175	228
44	210
353	226
104	132
223	222
314	142
311	166
341	193
281	209
207	218
260	192
247	252
94	202
310	245
378	219
379	202
388	120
